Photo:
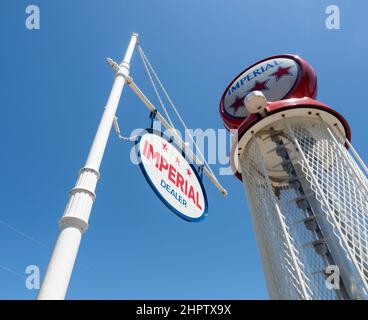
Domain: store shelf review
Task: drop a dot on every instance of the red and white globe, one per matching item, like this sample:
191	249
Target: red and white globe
278	77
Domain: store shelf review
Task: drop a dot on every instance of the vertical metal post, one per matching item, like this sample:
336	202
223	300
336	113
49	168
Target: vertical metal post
75	218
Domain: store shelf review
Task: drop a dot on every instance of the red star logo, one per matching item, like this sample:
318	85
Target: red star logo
281	72
164	146
238	103
177	161
189	173
259	86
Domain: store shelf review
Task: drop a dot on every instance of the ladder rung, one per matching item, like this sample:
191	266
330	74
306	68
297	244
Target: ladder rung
315	242
307	219
282	146
319	245
309	222
303	197
283	162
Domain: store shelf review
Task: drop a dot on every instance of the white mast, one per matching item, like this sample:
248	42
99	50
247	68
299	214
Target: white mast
75	218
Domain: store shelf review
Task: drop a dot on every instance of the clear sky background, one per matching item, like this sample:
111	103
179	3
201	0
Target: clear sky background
54	84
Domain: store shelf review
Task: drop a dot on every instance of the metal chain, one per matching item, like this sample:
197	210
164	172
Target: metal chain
148	64
145	62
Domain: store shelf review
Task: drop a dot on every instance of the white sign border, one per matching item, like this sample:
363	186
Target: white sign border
153	187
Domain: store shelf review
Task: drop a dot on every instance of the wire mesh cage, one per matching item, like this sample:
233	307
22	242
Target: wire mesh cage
309	205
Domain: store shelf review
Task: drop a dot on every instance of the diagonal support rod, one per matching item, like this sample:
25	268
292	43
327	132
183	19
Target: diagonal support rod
187	150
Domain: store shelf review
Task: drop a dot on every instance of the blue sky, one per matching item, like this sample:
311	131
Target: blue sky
54	84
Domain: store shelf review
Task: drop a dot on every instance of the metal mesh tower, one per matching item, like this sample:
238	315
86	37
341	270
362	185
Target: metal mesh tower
307	188
308	200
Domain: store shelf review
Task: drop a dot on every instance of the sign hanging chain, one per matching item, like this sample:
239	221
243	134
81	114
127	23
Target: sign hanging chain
145	62
148	66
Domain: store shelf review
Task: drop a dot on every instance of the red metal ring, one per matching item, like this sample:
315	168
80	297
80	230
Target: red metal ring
305	86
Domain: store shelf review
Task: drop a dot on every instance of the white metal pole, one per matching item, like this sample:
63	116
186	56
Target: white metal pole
75	218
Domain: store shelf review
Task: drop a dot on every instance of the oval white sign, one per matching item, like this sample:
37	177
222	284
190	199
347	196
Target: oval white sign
274	77
174	180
